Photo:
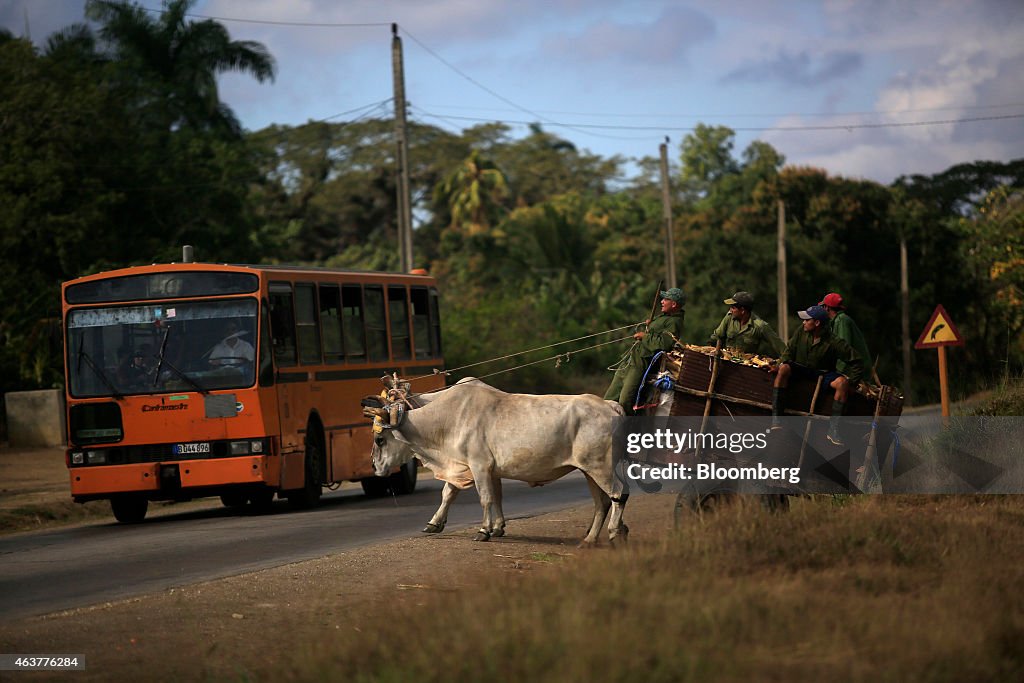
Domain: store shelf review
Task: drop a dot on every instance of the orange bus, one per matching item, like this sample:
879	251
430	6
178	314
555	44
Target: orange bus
189	380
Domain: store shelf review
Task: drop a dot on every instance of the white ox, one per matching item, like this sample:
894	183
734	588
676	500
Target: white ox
472	433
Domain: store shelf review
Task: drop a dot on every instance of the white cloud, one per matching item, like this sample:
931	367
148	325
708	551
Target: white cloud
659	58
664	39
950	88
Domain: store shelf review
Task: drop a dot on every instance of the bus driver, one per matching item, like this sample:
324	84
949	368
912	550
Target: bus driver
232	351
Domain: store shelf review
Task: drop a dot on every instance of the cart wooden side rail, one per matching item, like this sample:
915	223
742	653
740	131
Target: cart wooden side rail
707	385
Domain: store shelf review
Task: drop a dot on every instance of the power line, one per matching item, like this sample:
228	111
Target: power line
750	129
539	117
371	108
451	122
306	24
588	128
736	116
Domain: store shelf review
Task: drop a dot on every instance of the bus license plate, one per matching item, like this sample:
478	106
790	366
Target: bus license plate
183	448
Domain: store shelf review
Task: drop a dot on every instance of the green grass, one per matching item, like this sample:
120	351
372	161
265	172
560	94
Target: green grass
1008	401
892	588
545	557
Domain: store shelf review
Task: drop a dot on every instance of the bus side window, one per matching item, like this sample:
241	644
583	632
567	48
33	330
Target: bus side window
376	323
307	323
398	312
266	377
352	323
421	321
282	323
435	325
330	322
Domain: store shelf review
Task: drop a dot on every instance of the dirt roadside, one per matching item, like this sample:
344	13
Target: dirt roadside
35	493
248	626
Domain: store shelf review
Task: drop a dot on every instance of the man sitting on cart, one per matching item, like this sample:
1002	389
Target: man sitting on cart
813	351
661	335
743	330
843	326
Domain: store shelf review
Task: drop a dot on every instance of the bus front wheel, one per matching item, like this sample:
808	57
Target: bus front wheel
403	482
129	508
375	487
235	499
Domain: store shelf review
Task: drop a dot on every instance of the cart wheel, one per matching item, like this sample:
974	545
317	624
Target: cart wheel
775	502
689	504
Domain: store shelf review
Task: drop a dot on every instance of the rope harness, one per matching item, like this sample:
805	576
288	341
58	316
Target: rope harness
559	358
397	397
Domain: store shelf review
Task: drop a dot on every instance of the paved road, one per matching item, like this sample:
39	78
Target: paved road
50	571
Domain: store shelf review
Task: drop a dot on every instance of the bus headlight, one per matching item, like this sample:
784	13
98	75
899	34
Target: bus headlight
256	446
239	448
78	458
97	457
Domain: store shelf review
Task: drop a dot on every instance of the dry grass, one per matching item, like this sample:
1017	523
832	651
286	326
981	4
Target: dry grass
35	516
920	588
1008	400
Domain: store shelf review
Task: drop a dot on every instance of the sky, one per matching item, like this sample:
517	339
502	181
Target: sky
861	88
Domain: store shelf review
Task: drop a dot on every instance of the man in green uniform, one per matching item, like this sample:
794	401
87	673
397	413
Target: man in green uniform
842	326
743	330
812	351
661	335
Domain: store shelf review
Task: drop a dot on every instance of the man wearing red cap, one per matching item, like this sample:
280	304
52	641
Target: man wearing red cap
842	326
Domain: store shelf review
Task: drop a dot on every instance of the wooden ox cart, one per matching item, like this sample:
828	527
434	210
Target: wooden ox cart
710	383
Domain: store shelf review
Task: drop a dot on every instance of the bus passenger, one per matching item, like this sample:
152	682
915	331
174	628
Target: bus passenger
136	369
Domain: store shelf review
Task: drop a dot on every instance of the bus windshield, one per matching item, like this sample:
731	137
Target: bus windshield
156	348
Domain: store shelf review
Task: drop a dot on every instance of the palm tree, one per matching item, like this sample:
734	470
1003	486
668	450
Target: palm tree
180	58
473	192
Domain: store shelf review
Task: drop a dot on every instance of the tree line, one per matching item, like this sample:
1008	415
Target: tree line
116	150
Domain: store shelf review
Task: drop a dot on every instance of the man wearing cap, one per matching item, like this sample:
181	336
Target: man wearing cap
661	335
743	330
812	351
232	351
842	326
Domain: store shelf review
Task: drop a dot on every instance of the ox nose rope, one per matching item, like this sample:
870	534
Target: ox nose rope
559	358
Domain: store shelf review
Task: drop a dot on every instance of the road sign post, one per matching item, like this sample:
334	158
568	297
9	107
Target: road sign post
939	333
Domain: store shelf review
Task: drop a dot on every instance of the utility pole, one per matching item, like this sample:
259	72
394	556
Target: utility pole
666	210
781	257
401	155
905	299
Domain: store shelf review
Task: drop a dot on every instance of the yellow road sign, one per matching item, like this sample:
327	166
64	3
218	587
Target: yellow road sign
940	331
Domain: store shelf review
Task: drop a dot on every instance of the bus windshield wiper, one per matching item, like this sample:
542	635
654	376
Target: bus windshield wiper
195	384
161	361
82	355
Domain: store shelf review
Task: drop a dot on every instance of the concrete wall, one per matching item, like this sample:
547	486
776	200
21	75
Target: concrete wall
35	418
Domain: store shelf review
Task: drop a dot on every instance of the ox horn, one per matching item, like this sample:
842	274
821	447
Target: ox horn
371	412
